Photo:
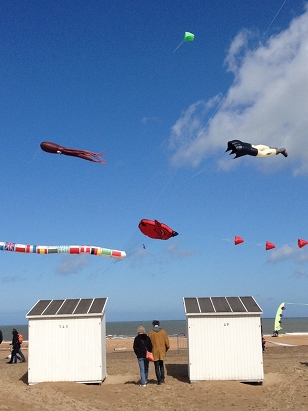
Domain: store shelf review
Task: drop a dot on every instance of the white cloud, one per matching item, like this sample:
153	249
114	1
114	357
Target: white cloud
288	252
139	255
72	264
303	257
12	279
266	104
146	120
174	251
239	43
300	274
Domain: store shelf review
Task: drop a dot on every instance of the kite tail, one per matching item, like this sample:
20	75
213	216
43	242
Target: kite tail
178	46
98	157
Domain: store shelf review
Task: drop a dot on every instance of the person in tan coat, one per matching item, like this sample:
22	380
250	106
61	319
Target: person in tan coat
160	342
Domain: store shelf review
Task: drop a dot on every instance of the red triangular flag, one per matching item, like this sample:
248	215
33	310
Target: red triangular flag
301	243
269	245
238	240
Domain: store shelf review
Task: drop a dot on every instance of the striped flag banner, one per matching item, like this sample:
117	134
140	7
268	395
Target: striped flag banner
85	249
41	249
52	249
74	249
62	249
20	248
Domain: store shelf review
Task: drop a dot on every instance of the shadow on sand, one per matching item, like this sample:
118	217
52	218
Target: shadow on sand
178	371
24	378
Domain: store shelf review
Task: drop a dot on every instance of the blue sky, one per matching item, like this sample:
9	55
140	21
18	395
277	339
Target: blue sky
101	75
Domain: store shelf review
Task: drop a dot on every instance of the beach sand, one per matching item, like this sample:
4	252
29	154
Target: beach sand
284	387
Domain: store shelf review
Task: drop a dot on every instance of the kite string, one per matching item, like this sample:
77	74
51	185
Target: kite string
218	106
297	303
178	46
232	84
210	118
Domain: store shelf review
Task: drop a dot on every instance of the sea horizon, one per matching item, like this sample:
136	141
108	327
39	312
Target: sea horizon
128	329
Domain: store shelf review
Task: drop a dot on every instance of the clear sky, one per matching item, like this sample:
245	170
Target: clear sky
105	75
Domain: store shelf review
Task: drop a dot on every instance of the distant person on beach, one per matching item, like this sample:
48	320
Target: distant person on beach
263	343
262	338
20	339
16	349
142	343
1	337
161	345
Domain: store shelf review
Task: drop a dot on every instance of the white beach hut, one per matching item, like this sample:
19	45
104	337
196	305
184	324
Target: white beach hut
224	339
67	340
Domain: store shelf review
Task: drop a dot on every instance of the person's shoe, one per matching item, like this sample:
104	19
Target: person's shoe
163	381
9	362
159	383
22	360
143	385
283	151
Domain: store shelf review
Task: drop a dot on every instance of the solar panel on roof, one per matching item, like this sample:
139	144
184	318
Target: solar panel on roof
83	306
39	307
221	305
236	305
191	305
53	307
69	306
97	306
228	305
206	305
251	304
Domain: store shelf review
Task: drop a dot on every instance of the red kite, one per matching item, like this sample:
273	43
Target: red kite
155	229
301	243
86	155
269	245
238	240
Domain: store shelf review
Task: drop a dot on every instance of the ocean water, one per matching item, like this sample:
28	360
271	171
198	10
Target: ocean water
128	329
125	329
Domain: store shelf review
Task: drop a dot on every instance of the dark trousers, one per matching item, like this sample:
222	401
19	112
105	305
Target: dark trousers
13	355
159	370
21	355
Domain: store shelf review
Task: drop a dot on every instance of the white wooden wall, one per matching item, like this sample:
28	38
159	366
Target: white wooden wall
67	349
225	348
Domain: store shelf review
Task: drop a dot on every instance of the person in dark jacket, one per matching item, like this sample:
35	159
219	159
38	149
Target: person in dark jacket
1	337
15	347
22	357
142	343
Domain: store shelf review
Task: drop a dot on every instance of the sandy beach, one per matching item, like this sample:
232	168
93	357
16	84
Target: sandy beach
284	386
